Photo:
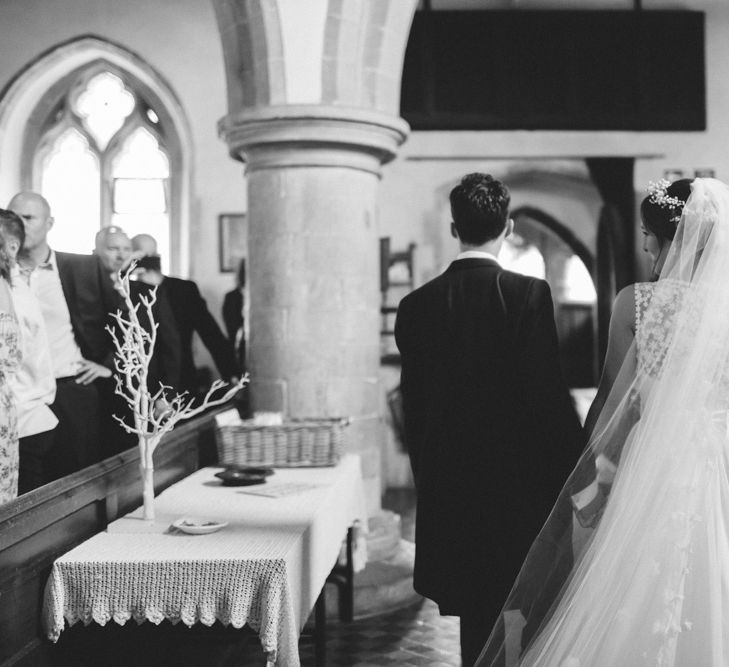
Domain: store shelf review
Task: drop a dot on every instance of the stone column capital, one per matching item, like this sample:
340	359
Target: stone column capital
313	136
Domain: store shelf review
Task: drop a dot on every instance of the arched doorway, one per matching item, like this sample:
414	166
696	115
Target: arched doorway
544	248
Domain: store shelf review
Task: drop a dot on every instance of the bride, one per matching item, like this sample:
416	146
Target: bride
632	566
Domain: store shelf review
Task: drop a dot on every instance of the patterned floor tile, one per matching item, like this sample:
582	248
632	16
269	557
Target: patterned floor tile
393	639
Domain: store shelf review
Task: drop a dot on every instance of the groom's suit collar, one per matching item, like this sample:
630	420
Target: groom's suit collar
476	254
472	261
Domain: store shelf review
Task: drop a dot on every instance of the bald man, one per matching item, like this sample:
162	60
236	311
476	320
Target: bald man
144	245
75	301
114	249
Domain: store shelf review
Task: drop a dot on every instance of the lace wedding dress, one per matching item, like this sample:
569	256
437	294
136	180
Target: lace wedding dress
636	572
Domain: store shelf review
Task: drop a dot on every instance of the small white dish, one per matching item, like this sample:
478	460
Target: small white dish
195	525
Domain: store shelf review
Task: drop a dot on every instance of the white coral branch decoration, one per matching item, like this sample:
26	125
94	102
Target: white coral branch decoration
154	414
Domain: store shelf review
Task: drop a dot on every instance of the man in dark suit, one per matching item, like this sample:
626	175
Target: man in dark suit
490	427
233	306
190	313
75	301
114	250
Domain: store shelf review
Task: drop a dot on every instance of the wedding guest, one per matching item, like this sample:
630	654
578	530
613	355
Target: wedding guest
113	248
233	307
9	363
489	425
33	385
75	300
190	313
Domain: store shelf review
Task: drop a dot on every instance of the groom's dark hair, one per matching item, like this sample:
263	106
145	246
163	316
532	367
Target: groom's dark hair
480	208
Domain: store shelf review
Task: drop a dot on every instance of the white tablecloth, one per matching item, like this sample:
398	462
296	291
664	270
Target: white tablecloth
266	568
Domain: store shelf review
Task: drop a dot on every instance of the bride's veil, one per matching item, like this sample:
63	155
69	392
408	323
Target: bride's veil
632	566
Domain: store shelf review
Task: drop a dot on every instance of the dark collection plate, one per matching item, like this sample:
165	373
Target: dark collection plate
250	470
243	475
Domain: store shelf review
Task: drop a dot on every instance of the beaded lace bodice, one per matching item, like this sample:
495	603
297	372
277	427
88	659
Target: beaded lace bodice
653	326
656	308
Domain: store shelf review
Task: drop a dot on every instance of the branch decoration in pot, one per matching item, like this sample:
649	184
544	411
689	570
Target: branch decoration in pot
154	412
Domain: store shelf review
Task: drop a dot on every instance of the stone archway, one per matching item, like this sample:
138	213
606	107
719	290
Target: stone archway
313	111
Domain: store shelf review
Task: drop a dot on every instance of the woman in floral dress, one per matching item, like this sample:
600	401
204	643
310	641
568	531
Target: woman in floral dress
9	362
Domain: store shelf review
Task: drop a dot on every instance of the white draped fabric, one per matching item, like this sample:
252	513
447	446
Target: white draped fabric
265	568
647	582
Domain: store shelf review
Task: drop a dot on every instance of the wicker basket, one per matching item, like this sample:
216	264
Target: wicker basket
293	444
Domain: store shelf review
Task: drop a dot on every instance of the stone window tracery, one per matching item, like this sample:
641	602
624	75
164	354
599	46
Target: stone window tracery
102	157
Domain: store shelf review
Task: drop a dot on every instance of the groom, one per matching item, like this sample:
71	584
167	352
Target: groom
489	425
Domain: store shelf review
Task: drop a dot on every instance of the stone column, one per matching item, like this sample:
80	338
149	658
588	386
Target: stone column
313	91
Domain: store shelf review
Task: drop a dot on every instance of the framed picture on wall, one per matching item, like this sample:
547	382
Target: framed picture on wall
232	240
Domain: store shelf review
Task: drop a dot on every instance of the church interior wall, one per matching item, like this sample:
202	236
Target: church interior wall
180	40
431	162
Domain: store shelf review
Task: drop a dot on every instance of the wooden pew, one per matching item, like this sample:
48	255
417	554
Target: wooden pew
41	525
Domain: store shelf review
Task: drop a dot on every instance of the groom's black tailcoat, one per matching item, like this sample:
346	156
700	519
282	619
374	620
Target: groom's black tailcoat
490	428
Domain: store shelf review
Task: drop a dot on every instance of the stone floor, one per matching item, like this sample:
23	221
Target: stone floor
417	635
414	636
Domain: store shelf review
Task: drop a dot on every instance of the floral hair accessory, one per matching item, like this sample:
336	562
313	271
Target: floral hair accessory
658	194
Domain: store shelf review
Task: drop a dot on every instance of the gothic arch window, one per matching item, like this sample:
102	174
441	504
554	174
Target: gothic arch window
102	149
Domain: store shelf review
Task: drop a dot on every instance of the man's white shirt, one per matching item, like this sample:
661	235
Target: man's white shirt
476	254
45	282
33	385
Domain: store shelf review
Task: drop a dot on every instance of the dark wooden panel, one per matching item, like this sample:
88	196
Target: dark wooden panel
550	70
38	527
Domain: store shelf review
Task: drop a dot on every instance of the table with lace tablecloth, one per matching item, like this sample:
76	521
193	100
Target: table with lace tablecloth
266	568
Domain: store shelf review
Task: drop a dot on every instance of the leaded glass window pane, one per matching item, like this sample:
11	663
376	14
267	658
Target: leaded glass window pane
139	195
70	181
106	166
141	156
104	105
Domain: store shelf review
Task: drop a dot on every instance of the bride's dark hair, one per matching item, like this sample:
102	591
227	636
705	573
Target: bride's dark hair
660	219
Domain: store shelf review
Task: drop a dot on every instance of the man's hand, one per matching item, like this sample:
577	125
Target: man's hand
91	371
161	408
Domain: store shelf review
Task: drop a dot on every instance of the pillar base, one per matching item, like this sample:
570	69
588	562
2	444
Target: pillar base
386	583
